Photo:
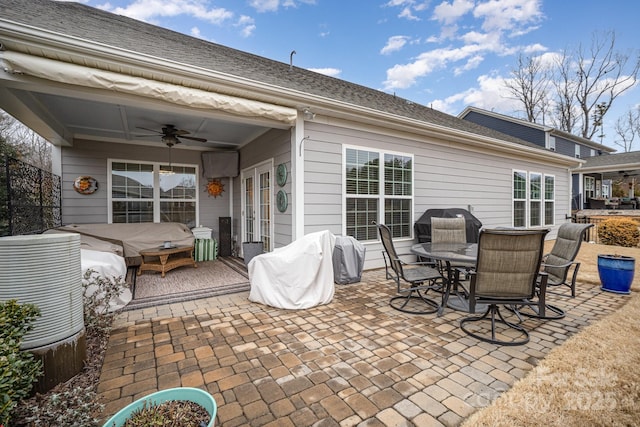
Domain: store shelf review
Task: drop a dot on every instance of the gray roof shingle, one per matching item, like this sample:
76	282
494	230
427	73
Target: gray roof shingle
92	24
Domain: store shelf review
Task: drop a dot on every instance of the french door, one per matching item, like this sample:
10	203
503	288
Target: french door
256	205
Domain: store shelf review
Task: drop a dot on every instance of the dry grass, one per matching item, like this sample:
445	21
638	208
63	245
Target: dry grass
593	379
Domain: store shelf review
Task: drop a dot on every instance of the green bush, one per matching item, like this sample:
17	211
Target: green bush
19	370
619	232
78	406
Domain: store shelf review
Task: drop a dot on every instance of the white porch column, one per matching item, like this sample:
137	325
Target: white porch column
297	173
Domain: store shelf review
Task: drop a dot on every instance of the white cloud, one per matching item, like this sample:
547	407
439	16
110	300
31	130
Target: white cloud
147	10
331	72
506	15
408	7
486	23
394	43
448	13
247	25
274	5
490	94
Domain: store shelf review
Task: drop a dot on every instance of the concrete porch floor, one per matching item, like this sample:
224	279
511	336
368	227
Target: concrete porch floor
354	362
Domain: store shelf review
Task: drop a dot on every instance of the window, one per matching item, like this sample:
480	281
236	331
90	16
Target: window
378	194
150	192
552	143
533	199
589	188
577	151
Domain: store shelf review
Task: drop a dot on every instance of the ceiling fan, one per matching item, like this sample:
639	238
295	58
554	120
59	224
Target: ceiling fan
171	135
626	174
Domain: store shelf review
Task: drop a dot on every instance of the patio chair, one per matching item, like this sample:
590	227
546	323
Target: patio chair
413	280
559	263
451	230
448	230
506	273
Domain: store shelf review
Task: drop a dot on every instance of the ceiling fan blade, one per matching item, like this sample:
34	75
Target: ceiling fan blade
150	130
193	138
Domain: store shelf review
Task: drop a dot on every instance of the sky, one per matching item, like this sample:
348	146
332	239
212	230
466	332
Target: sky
445	54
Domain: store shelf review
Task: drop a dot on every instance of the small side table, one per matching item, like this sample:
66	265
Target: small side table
165	259
205	249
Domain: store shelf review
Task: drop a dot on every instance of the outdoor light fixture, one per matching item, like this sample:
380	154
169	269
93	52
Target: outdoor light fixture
308	114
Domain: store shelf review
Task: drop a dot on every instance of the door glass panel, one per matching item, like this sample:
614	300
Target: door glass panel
249	210
265	210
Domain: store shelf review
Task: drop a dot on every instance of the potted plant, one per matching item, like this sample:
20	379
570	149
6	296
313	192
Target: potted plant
616	273
178	394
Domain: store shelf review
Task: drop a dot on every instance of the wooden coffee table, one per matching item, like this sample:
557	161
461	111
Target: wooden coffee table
165	259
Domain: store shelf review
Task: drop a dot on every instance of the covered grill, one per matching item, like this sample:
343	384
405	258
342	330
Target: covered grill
422	227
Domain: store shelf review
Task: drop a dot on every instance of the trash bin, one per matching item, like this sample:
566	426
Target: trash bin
348	260
250	250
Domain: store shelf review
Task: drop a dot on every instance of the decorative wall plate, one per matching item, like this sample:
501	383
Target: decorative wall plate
282	201
85	185
281	174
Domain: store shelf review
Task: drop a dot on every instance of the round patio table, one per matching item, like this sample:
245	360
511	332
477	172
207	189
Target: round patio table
452	254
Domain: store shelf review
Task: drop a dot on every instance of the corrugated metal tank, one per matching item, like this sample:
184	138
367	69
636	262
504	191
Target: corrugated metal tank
45	270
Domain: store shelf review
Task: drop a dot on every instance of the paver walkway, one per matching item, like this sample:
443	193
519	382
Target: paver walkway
354	362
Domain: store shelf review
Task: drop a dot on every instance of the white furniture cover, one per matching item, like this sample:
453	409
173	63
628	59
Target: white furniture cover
111	267
299	275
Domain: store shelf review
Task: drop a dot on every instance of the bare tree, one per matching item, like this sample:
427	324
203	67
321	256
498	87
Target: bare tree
565	112
529	83
584	80
27	144
627	128
601	78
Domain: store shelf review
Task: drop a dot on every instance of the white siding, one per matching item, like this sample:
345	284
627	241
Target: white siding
446	176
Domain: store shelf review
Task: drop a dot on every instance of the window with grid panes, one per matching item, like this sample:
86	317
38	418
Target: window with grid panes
533	199
372	190
549	199
147	192
519	199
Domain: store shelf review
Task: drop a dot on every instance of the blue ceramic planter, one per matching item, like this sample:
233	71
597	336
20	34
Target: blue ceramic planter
616	273
195	395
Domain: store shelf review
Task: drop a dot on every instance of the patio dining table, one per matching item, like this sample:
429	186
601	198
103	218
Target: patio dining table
452	254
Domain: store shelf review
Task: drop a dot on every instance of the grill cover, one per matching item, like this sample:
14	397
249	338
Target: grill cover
422	227
348	260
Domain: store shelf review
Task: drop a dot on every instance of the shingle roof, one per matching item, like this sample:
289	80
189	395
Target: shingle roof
92	24
606	160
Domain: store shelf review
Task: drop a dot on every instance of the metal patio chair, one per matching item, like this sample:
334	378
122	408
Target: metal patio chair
561	266
506	273
413	280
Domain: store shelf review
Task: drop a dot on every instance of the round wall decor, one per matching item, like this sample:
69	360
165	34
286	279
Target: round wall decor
282	201
281	174
85	185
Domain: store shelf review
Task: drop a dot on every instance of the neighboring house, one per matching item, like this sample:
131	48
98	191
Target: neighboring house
591	178
315	152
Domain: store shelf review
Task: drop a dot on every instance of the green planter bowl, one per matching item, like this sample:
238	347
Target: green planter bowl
195	395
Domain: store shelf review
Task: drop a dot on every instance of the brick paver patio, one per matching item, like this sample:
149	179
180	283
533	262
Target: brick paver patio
354	362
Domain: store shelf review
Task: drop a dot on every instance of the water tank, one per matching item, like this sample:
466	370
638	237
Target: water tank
45	270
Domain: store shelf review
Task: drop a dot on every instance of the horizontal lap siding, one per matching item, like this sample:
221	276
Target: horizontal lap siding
445	176
90	158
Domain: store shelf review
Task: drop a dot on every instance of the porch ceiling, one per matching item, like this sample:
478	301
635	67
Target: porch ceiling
64	114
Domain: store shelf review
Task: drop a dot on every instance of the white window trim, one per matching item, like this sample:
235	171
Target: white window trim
552	143
577	151
156	186
380	196
527	200
544	199
531	199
